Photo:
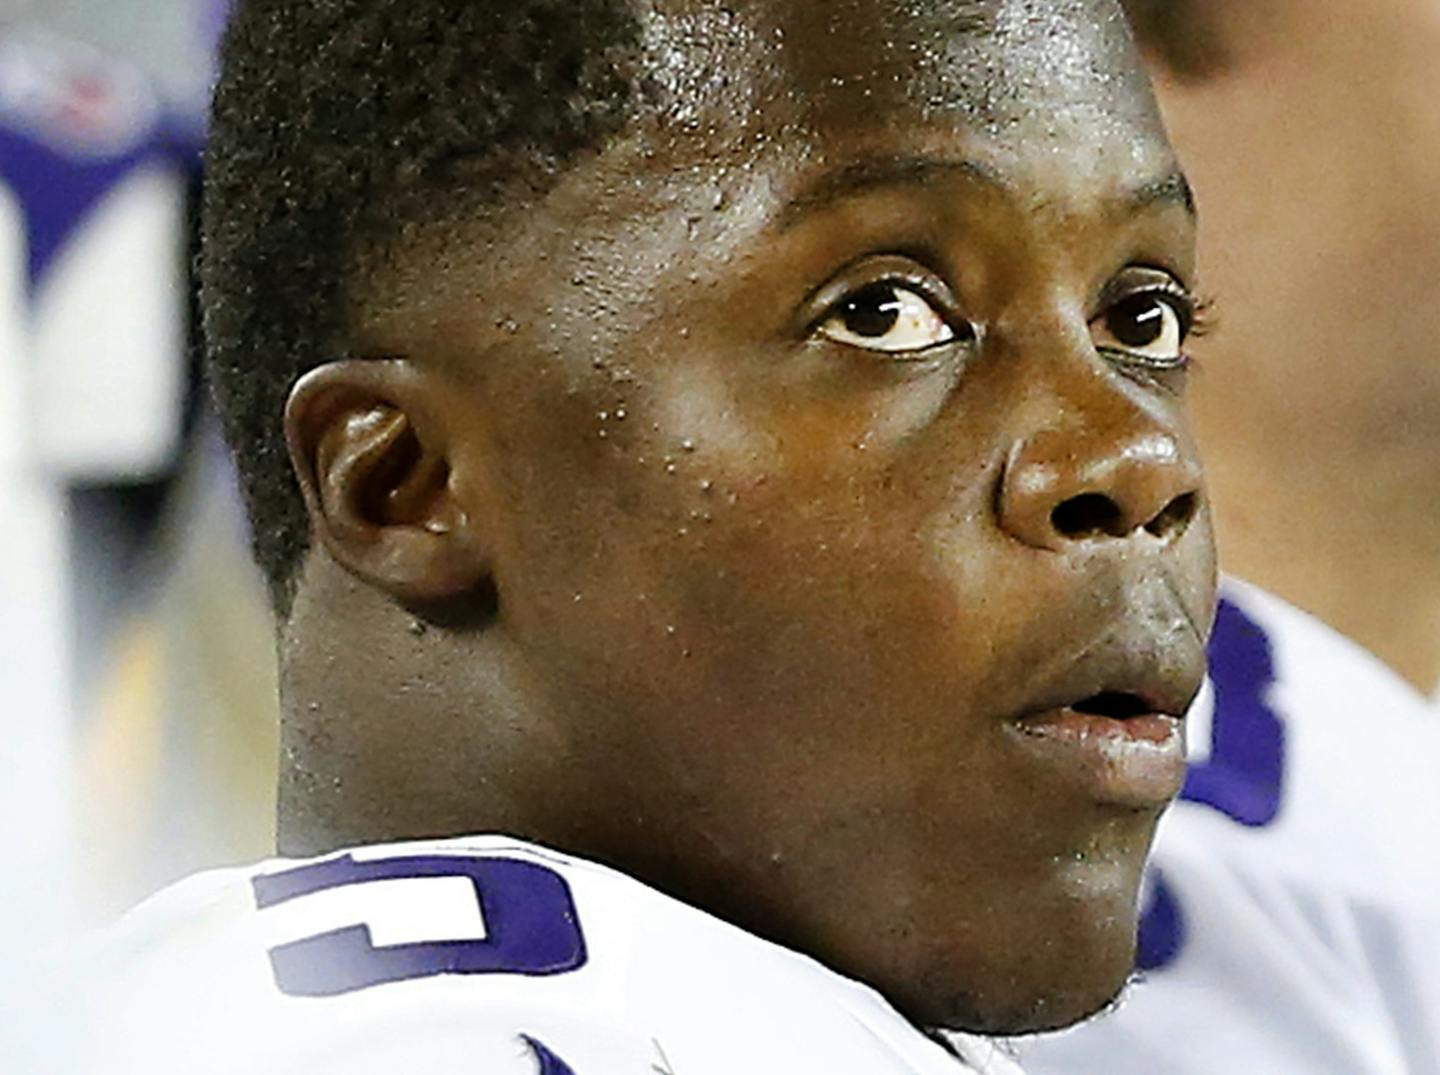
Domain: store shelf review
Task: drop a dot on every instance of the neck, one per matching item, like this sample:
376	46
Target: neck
1360	551
393	728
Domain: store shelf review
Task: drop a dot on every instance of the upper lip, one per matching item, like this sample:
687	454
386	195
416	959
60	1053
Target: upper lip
1164	670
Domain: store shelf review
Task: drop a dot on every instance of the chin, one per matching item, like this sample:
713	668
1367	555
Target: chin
1039	961
1027	1000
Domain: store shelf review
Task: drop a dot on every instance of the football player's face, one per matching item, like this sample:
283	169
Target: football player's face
840	410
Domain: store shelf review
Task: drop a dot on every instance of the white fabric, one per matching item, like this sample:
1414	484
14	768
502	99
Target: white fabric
108	335
1311	944
35	786
106	314
187	982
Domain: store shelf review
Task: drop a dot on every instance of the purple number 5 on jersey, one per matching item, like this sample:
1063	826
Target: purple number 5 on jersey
532	927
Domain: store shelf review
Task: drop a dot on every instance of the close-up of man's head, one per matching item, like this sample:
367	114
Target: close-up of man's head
743	443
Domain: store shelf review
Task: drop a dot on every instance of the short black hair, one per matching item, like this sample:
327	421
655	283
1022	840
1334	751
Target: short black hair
337	125
1181	34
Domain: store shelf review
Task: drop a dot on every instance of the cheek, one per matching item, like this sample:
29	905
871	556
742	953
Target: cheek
761	588
785	633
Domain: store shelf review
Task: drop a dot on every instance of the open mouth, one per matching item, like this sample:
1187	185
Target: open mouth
1120	746
1117	705
1108	713
1110	723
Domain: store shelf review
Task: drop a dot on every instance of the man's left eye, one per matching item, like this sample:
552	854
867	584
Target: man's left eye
1150	326
886	317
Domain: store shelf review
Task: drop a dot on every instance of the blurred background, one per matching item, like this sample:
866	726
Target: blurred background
139	698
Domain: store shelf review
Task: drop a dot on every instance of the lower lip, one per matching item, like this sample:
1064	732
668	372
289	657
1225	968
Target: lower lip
1137	762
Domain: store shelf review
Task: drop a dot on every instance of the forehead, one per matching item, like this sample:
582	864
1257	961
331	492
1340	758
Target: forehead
1052	70
762	106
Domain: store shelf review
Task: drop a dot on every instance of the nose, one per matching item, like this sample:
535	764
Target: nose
1061	487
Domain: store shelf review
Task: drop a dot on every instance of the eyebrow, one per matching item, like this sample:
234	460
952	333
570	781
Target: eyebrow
891	172
1173	189
874	173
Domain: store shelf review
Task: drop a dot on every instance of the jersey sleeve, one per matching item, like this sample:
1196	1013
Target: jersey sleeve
434	962
476	955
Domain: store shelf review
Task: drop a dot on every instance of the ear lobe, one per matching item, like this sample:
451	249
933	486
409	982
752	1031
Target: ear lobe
372	465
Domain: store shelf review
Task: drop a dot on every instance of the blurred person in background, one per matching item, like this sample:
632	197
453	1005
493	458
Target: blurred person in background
158	661
92	239
1293	918
92	369
134	641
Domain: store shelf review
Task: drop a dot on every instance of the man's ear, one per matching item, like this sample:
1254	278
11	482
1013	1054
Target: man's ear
372	461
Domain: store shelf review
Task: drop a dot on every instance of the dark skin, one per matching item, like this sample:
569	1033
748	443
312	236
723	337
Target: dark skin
651	545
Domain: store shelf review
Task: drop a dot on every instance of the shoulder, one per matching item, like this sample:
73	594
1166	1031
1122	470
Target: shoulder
484	950
1297	728
1311	660
1311	756
478	954
1297	877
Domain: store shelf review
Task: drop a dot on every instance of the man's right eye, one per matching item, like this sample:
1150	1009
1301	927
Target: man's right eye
1150	326
886	317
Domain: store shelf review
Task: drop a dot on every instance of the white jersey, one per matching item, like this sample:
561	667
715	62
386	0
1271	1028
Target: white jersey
1293	917
474	955
97	183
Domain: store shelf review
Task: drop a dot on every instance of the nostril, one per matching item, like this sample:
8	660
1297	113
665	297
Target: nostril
1088	515
1175	516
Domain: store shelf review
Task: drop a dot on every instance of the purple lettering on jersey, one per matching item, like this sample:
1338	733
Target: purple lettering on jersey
550	1064
1244	776
1162	926
531	924
55	192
